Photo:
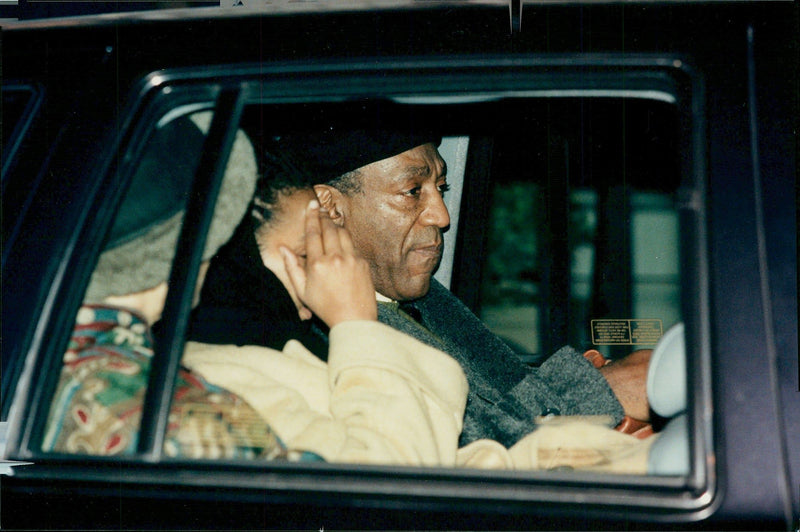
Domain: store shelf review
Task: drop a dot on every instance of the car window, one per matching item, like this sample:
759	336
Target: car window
582	246
99	397
612	186
569	228
576	254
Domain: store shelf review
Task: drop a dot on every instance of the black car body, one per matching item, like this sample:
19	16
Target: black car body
714	85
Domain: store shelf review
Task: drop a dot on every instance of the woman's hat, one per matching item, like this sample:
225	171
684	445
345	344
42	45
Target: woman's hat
142	242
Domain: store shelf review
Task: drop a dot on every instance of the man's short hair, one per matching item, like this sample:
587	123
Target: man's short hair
348	183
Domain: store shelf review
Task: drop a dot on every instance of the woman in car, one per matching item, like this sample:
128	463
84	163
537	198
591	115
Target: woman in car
233	308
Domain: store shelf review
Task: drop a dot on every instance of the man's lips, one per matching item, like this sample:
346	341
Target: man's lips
431	250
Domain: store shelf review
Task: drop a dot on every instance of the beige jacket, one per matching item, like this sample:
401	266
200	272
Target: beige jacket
386	398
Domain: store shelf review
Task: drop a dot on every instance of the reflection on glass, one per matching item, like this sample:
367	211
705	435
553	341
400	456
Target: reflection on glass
575	236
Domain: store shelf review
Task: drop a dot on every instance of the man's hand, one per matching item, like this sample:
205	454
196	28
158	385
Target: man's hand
335	284
628	379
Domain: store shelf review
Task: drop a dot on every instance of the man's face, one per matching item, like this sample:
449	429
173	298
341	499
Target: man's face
397	218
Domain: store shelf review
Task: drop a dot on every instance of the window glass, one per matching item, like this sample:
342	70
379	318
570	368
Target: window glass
100	393
583	238
512	296
580	246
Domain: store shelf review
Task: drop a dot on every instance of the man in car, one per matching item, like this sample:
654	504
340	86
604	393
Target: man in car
386	188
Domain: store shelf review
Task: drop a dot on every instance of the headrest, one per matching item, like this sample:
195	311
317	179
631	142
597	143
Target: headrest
666	375
669	454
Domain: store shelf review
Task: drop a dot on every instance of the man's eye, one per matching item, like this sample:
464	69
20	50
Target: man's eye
413	191
443	188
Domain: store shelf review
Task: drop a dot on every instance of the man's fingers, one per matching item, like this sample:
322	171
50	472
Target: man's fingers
314	246
297	275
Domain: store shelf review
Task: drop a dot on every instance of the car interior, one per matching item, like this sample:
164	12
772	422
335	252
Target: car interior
572	223
580	217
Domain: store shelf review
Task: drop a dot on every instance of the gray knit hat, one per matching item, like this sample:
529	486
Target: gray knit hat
142	243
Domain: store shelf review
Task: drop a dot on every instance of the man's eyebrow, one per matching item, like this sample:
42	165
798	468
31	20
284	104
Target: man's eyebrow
416	171
421	171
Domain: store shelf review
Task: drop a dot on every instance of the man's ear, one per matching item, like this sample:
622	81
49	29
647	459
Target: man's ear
331	199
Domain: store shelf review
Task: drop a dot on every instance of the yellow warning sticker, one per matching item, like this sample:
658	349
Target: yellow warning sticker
626	332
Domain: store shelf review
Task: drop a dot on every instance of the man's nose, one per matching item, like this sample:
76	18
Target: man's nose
435	212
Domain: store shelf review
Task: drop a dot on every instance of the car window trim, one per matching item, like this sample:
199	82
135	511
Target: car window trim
551	487
23	124
196	222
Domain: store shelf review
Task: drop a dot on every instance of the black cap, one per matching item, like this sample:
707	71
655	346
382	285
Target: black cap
338	139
